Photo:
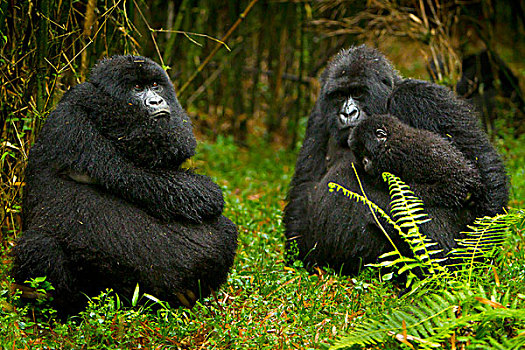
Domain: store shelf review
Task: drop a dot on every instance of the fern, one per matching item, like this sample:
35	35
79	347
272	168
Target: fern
441	318
334	187
407	214
485	236
457	316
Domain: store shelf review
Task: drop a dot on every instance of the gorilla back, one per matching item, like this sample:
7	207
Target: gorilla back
106	202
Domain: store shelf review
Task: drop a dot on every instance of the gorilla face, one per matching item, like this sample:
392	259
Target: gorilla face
150	97
349	113
357	82
373	142
139	111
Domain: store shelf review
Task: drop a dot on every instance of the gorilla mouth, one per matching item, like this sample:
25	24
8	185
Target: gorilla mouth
367	164
162	114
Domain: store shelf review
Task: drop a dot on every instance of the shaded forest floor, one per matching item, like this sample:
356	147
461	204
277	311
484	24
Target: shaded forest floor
264	304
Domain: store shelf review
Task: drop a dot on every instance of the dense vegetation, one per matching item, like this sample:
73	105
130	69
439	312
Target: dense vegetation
265	304
249	106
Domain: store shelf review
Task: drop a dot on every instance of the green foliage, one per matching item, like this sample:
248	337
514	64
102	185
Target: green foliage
456	316
406	214
456	311
482	242
265	304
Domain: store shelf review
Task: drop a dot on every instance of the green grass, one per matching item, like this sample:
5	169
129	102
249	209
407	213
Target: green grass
265	304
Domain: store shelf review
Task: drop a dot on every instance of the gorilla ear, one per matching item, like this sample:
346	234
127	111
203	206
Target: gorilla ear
367	164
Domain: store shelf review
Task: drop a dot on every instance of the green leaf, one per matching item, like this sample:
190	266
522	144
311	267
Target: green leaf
135	298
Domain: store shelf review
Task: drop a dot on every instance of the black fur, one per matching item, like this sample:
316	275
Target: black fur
331	230
435	108
107	204
431	165
435	170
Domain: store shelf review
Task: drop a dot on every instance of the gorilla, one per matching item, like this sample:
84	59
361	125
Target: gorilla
107	203
330	230
447	183
436	171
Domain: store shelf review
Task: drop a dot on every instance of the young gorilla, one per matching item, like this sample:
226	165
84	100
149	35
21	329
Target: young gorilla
107	204
436	171
327	229
447	183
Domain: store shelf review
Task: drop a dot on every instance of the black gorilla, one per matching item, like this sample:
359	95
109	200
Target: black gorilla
330	230
107	204
436	171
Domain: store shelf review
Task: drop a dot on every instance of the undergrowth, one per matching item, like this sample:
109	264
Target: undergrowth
264	304
450	308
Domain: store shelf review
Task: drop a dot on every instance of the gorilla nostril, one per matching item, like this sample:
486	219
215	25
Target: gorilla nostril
154	102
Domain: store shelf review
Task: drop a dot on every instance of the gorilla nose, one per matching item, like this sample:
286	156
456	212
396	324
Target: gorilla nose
154	101
349	113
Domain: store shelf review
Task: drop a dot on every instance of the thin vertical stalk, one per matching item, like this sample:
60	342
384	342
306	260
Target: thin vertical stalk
294	118
168	48
89	20
41	54
242	16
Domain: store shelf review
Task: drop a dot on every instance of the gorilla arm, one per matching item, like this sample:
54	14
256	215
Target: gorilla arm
82	152
309	169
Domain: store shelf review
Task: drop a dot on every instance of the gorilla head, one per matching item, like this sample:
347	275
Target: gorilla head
152	118
357	81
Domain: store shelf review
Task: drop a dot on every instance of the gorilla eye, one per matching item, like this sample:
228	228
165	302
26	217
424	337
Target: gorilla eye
337	95
155	86
357	93
138	87
381	134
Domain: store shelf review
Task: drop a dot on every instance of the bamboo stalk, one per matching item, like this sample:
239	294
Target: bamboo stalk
242	16
294	118
42	47
168	48
88	25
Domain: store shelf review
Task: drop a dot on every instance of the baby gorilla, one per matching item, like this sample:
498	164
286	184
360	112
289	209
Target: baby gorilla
435	170
107	203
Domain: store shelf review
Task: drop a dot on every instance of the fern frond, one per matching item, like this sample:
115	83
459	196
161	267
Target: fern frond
431	322
409	214
335	187
485	235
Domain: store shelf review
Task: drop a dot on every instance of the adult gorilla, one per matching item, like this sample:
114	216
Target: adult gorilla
330	230
107	204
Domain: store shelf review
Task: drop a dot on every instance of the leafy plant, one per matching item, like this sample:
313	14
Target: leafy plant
454	314
482	242
407	214
452	317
